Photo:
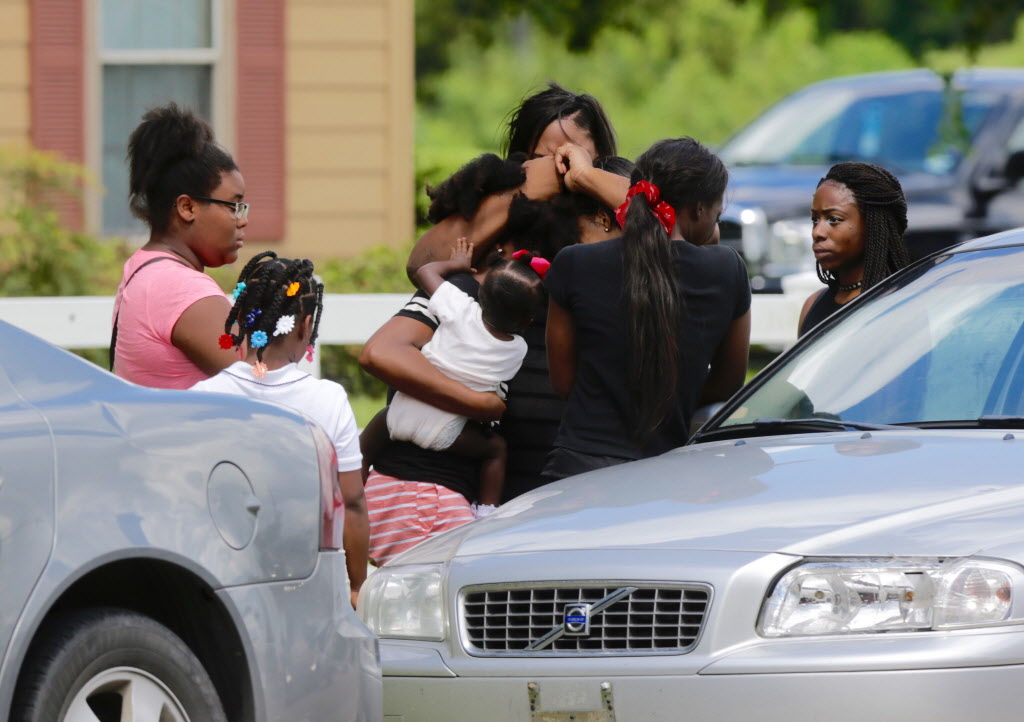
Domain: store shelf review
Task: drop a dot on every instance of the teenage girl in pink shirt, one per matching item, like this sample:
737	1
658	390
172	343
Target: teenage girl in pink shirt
188	189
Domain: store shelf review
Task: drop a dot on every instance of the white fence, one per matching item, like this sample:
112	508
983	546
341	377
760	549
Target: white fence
84	321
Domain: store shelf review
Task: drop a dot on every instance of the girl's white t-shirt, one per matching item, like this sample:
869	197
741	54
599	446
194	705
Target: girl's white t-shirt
463	348
322	400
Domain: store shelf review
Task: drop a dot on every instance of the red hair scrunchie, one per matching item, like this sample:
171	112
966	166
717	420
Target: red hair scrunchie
666	214
538	264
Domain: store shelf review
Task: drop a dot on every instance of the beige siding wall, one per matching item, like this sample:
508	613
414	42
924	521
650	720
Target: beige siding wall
14	72
349	148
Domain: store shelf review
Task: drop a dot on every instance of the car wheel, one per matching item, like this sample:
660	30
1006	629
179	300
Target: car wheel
111	665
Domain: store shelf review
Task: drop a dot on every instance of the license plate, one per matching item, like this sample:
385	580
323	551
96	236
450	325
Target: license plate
606	713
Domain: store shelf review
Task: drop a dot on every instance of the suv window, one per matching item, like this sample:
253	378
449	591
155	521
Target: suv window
921	131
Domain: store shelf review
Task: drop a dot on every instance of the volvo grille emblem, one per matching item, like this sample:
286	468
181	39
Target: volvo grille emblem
577	619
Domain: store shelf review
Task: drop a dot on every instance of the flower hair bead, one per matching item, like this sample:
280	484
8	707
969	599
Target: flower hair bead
309	353
293	288
260	370
226	341
665	213
258	339
285	324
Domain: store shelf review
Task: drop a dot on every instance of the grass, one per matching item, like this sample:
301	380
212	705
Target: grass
365	408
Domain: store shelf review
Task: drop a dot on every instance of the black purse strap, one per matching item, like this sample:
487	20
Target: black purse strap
113	332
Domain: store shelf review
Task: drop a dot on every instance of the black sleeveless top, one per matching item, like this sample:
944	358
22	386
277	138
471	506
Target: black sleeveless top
823	307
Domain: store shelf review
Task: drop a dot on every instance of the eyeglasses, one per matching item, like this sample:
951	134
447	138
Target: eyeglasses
241	209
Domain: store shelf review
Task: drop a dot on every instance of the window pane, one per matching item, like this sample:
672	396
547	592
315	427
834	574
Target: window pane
156	24
128	91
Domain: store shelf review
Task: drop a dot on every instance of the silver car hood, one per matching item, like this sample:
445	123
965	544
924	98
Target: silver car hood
933	492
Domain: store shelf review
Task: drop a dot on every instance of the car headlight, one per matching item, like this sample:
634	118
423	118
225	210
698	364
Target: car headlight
404	602
789	243
845	596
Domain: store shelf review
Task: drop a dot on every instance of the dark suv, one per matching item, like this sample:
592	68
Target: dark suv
956	144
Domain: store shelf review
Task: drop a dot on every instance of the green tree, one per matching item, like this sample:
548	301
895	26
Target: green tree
574	22
705	69
39	256
919	26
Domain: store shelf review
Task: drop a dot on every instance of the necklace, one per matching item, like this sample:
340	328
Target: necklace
852	286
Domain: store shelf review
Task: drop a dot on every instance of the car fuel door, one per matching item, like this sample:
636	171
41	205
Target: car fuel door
26	503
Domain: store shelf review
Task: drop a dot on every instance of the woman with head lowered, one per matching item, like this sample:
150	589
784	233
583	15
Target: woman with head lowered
474	203
858	218
644	328
502	206
168	313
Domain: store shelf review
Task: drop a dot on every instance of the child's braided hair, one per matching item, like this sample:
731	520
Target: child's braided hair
512	293
263	298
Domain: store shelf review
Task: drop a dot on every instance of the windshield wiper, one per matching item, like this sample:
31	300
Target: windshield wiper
769	427
986	421
838	424
995	421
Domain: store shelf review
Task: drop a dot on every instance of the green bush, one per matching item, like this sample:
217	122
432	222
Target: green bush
375	270
38	255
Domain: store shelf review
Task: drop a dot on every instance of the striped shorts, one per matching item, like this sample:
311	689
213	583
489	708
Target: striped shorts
404	513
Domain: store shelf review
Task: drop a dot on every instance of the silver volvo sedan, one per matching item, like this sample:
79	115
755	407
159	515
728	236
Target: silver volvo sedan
844	540
168	556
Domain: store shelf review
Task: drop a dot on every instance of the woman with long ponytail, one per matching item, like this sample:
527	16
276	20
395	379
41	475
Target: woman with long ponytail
644	328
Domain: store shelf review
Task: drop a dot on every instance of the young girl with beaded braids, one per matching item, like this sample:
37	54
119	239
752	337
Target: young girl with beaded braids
277	310
644	328
858	217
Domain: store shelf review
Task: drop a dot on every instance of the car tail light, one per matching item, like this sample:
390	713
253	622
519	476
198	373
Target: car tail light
331	501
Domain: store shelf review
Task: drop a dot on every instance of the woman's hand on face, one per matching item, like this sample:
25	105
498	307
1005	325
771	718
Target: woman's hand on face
572	161
542	178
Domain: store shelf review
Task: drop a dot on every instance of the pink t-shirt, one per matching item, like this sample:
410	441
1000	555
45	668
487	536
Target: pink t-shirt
149	308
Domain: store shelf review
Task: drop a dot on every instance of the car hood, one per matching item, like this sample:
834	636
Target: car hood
899	492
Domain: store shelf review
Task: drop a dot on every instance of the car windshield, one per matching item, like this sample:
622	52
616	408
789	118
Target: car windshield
920	131
942	343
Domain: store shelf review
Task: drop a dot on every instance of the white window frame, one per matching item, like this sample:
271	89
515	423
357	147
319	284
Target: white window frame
220	57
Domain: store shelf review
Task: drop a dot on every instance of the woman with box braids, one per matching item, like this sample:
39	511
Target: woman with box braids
278	303
272	296
189	192
644	328
859	216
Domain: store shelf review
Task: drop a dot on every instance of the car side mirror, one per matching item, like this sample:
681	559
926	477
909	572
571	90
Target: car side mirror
1014	169
998	179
